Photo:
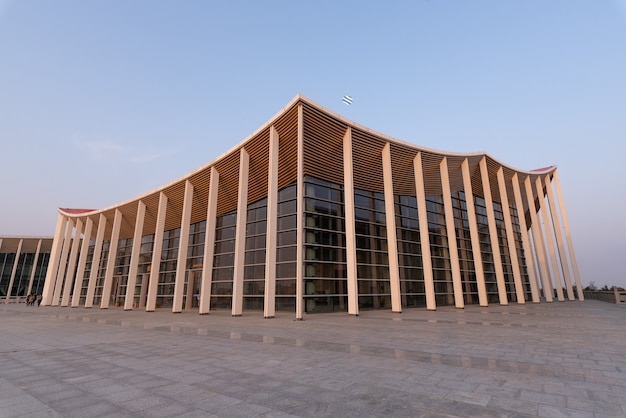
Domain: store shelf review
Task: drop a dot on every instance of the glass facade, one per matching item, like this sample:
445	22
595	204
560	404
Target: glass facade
371	250
439	251
7	261
486	250
254	261
167	269
88	266
224	261
412	290
324	254
521	258
40	273
286	249
23	271
464	245
505	258
325	277
195	262
120	273
104	256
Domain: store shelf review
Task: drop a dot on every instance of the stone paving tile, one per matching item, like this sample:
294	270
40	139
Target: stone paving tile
22	404
513	404
469	397
95	410
216	403
171	410
195	413
549	411
549	360
146	401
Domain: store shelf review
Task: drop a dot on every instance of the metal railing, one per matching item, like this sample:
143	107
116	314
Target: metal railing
612	296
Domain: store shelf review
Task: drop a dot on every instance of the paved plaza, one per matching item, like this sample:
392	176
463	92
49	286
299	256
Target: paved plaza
548	360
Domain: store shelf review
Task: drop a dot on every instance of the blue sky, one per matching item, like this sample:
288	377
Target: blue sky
101	101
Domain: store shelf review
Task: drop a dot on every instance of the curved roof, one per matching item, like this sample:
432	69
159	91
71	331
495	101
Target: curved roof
323	129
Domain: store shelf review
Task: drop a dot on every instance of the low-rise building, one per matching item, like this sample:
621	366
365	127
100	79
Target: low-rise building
315	213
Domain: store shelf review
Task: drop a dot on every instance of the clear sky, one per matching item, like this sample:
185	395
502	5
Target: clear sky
104	100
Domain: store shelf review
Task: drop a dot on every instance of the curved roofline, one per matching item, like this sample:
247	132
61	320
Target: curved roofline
544	170
293	102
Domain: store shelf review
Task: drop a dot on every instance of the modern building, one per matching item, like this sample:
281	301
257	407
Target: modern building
315	213
23	266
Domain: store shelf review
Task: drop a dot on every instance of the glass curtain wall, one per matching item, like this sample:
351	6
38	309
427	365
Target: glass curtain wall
521	257
120	273
325	277
464	245
412	290
85	278
439	251
143	271
101	273
325	272
22	275
167	271
486	250
195	261
286	249
223	261
503	243
254	262
23	272
40	273
371	250
6	267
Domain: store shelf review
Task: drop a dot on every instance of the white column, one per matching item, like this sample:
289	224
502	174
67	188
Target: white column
131	283
546	230
32	273
95	261
269	307
69	278
392	239
300	220
82	262
538	240
155	266
61	274
183	247
348	191
451	232
209	244
105	300
14	270
240	237
53	264
473	227
559	238
510	238
422	214
528	254
493	232
568	237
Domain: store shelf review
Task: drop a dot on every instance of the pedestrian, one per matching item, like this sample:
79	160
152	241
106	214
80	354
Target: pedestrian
29	299
38	300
